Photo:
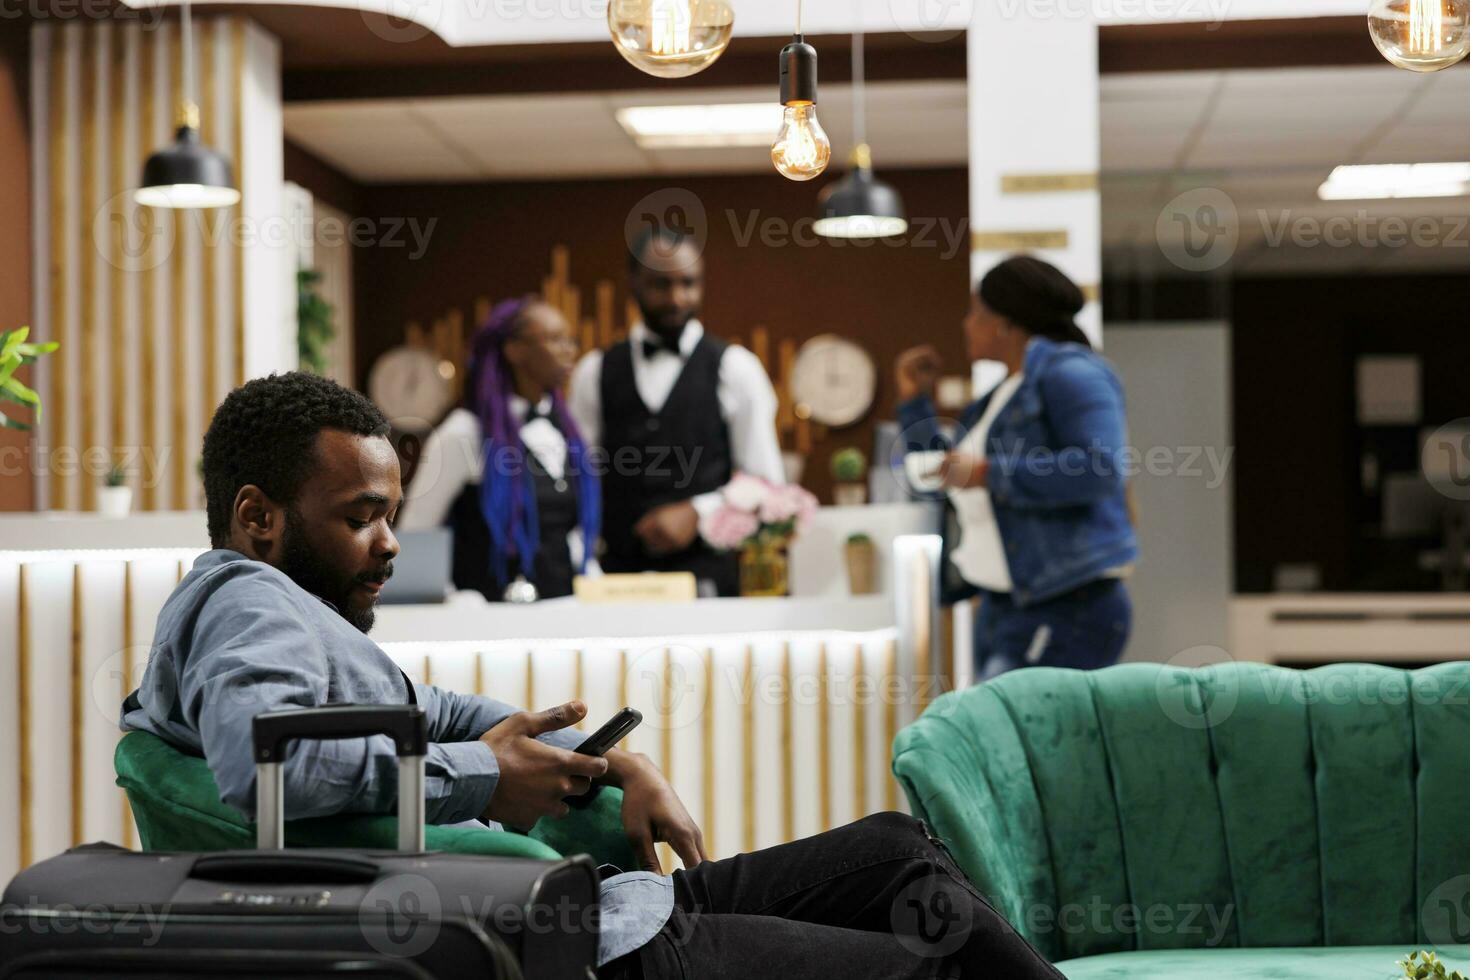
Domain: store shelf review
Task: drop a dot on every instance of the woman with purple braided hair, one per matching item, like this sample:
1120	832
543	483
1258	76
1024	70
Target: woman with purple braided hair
509	472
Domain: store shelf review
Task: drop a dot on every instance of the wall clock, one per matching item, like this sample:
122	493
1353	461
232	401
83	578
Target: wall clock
833	381
412	387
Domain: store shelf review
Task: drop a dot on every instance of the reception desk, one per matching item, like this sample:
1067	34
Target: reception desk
773	717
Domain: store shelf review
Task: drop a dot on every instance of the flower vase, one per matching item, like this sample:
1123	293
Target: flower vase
763	569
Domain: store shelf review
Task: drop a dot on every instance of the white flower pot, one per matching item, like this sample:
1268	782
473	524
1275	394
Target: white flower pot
114	501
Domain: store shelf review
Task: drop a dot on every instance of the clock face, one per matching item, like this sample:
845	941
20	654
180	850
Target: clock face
833	381
411	386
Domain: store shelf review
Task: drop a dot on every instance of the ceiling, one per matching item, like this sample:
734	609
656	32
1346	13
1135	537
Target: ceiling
1267	138
540	137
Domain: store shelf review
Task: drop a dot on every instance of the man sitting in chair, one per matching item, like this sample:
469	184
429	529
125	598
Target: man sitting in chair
303	488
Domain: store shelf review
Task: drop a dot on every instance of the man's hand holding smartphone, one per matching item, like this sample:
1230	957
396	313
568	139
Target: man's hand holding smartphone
536	778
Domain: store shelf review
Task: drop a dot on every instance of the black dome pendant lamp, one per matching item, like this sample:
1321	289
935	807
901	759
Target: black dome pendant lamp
187	174
859	205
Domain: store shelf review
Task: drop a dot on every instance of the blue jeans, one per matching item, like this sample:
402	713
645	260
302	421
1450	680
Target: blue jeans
1086	628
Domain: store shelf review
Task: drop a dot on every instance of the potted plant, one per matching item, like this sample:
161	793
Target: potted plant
850	477
14	353
314	328
862	564
759	519
115	498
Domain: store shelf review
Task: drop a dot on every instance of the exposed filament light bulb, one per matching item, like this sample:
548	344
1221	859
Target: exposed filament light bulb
670	38
801	150
1421	35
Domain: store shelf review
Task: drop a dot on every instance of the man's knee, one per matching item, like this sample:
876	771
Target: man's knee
893	825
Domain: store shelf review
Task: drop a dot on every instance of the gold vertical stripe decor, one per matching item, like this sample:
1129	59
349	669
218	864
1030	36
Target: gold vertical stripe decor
23	708
148	219
92	39
747	734
890	720
666	709
127	684
178	343
428	670
480	674
58	105
709	745
788	750
117	185
859	740
237	63
530	682
77	788
623	688
824	734
577	685
209	287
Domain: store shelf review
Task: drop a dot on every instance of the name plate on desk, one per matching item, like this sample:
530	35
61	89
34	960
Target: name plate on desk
642	587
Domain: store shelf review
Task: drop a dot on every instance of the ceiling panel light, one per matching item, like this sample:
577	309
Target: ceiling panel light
663	127
1396	180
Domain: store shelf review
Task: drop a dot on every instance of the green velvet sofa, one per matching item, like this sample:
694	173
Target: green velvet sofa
176	806
1240	821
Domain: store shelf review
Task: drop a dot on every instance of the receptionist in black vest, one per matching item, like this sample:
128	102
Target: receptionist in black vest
676	412
509	472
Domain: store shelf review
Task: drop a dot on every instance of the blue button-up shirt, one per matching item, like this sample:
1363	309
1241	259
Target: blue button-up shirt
238	637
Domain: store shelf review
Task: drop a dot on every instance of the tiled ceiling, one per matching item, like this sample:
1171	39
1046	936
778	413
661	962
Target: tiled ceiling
910	124
1267	138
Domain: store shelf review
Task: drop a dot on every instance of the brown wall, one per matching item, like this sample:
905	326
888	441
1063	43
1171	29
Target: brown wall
1299	490
16	486
495	240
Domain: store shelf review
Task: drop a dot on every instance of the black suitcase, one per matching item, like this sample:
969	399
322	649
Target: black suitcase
102	911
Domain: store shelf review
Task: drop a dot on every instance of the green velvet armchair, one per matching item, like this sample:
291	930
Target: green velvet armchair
1245	821
176	806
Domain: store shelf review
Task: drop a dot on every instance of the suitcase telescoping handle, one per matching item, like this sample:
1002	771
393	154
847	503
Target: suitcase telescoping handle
405	724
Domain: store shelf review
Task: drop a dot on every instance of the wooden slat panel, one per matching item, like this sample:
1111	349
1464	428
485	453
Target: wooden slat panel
87	353
58	102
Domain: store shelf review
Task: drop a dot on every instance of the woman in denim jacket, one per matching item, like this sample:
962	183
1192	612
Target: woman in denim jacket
1034	473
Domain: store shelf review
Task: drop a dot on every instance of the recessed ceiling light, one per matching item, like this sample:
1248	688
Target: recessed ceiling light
1395	180
662	127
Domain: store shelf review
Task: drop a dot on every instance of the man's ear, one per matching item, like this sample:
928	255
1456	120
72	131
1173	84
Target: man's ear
260	519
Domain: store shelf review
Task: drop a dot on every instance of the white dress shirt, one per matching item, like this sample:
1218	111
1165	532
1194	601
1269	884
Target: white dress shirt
981	555
454	457
747	401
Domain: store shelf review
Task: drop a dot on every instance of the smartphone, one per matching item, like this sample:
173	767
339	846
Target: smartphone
600	741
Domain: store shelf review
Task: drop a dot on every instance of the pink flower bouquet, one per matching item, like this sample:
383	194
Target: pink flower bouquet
754	508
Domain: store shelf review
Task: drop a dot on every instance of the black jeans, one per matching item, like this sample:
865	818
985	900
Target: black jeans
879	899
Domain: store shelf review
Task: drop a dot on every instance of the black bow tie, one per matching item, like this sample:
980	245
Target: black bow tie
653	347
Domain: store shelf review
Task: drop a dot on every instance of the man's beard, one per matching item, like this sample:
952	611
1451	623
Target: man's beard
305	566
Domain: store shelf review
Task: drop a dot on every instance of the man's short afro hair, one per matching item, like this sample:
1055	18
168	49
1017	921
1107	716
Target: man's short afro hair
264	433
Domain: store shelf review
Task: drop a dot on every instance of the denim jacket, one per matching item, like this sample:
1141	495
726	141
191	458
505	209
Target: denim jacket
1056	475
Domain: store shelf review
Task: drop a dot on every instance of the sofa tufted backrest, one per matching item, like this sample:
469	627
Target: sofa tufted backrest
1150	807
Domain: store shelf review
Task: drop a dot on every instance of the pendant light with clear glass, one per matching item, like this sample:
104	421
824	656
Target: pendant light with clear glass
670	38
859	205
187	174
1421	35
801	150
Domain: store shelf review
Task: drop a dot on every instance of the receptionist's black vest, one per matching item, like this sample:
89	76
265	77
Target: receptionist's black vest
688	436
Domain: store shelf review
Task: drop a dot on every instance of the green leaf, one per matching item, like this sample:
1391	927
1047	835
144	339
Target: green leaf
36	350
7	368
10	423
22	393
12	339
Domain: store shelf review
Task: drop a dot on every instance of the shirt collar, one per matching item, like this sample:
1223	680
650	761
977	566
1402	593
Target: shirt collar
688	340
519	407
221	556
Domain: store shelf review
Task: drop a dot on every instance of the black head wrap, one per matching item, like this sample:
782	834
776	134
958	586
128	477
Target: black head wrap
1036	296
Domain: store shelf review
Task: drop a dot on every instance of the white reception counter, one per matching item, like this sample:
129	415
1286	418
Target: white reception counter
773	717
